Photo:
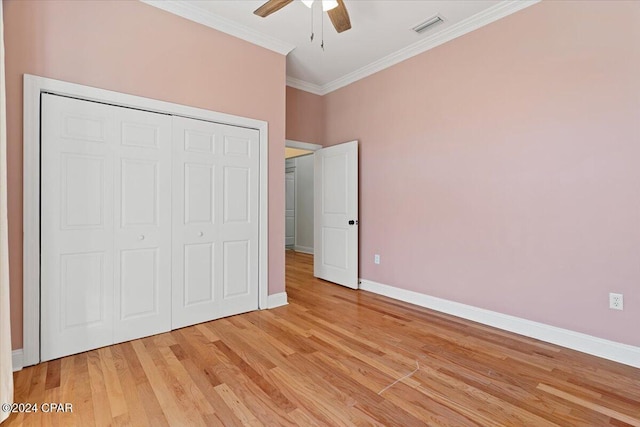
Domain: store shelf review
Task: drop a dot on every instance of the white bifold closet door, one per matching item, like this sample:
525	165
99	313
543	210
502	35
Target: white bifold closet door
215	221
149	222
105	225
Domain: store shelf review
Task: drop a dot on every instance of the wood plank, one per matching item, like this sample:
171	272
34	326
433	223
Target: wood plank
101	406
53	374
164	392
112	383
242	412
83	402
274	394
135	409
631	420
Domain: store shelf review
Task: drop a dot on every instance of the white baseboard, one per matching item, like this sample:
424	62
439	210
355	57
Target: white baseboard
622	353
303	249
277	300
17	359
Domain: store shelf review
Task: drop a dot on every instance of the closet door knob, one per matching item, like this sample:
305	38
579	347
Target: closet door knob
200	234
141	237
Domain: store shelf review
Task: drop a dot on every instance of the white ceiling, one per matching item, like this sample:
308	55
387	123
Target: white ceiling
380	36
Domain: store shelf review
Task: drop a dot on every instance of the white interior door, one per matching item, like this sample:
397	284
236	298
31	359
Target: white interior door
336	214
215	221
105	229
77	199
290	207
142	264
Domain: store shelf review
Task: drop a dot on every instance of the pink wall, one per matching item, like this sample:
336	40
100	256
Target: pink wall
305	116
134	48
501	169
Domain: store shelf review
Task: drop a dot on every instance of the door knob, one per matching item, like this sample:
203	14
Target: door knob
141	237
351	222
200	234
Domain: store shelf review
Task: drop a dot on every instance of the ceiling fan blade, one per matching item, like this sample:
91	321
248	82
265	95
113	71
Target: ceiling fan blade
271	6
340	17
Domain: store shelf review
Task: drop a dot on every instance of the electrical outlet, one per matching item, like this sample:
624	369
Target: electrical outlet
616	301
376	259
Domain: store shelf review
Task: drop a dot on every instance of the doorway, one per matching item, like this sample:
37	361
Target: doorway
322	209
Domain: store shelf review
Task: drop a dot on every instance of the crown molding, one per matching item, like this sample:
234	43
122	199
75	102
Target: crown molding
201	16
305	86
465	26
193	13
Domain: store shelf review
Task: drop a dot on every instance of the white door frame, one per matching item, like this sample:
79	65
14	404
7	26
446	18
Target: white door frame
33	87
301	145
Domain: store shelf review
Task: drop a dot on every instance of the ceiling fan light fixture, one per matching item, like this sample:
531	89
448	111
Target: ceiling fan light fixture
329	4
336	10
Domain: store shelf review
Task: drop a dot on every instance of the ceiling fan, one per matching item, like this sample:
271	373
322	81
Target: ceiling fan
336	10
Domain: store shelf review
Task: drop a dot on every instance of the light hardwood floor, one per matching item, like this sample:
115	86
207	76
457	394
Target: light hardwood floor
324	360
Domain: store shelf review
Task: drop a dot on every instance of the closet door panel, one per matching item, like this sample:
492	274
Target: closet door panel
239	226
195	231
142	225
199	273
77	189
214	238
105	224
198	193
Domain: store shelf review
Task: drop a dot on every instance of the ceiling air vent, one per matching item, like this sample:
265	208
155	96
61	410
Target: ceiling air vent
426	25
